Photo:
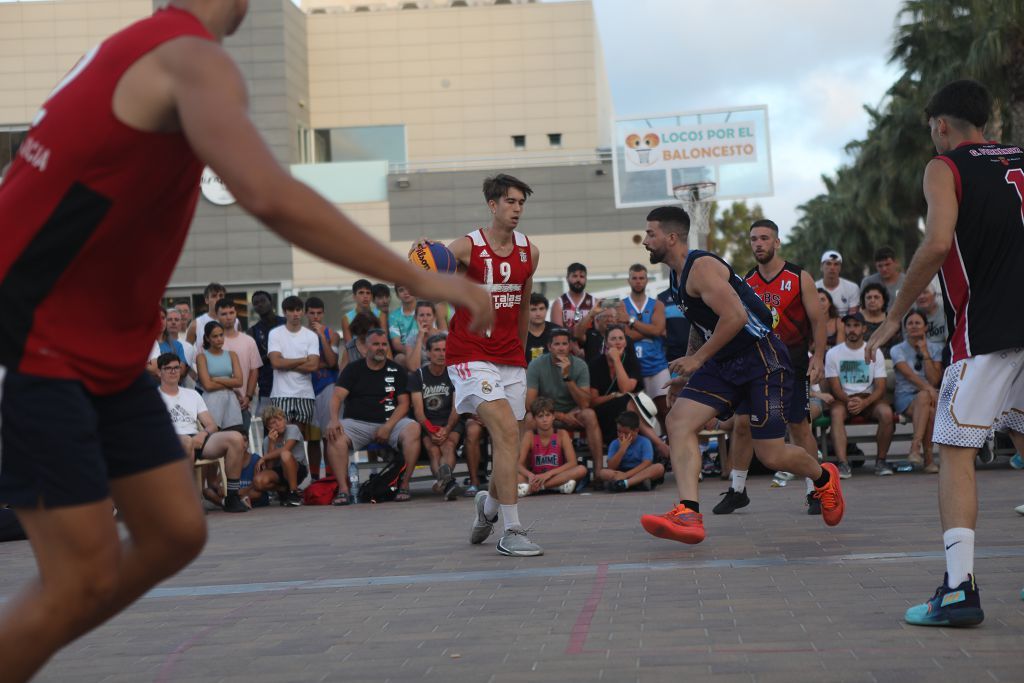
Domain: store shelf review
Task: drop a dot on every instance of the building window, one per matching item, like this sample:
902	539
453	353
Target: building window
555	139
519	141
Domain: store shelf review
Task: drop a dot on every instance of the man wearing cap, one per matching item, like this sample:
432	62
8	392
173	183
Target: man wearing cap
845	294
859	389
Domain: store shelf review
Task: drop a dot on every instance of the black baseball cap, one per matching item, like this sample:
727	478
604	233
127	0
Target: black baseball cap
858	316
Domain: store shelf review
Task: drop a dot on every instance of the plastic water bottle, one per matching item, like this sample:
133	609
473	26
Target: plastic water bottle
353	483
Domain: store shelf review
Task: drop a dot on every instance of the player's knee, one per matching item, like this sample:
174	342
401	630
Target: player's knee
183	536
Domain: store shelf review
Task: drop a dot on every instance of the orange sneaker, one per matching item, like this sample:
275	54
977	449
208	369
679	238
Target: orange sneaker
831	496
678	524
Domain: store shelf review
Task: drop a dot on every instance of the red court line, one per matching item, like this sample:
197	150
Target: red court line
582	627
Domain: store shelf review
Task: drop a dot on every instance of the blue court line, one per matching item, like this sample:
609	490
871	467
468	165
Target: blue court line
574	570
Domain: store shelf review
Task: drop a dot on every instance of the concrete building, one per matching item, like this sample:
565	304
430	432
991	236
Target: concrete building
395	111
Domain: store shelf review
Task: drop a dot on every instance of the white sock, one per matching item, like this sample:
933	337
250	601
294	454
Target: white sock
510	515
810	484
626	482
490	507
959	544
739	480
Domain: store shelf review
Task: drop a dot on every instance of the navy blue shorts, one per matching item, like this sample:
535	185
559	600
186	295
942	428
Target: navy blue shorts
798	407
757	382
60	445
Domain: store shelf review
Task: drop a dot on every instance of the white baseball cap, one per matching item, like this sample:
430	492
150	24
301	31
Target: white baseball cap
831	255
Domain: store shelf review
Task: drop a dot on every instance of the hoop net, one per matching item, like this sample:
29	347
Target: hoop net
696	199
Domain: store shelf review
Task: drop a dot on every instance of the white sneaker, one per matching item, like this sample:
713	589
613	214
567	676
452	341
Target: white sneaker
568	487
1019	509
523	489
516	544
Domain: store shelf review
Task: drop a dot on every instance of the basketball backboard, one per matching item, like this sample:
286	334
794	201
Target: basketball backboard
652	154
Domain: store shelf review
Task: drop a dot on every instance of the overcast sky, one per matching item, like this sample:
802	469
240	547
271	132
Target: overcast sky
815	64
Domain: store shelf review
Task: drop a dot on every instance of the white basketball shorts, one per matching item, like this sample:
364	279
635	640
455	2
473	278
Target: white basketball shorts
479	381
978	395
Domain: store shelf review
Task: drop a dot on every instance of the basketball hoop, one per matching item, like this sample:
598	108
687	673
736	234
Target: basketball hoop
696	199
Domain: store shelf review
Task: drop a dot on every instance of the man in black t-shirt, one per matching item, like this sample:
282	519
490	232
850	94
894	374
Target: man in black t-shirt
537	334
431	392
373	392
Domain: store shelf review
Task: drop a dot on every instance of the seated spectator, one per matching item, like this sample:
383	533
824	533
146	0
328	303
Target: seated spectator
564	378
362	295
918	365
283	465
614	375
834	329
416	342
590	331
874	304
934	316
475	432
220	374
355	348
547	461
401	322
820	402
376	402
539	328
294	352
188	410
433	405
631	458
859	390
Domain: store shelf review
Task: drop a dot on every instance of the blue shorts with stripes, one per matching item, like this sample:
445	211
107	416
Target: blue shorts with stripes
756	382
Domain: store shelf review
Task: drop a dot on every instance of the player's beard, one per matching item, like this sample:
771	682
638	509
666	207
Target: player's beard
766	257
577	287
657	255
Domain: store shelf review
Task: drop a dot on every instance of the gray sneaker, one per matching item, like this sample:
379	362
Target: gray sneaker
882	469
482	527
516	544
844	470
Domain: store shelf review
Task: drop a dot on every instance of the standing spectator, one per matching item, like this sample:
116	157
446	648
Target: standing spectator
294	352
213	293
381	294
433	405
185	309
874	302
918	365
564	378
220	374
845	294
244	348
356	348
416	342
362	297
859	389
539	327
374	394
323	379
268	319
889	272
188	410
934	316
401	322
573	306
834	330
631	458
646	327
174	326
168	339
677	327
547	460
283	465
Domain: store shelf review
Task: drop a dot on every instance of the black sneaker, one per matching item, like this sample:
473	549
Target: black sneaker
232	503
960	606
731	502
452	490
813	504
292	499
618	486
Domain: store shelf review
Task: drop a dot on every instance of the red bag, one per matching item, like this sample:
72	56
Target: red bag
320	492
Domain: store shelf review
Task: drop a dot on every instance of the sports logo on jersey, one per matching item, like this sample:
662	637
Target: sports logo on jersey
485	386
483	253
775	316
522	255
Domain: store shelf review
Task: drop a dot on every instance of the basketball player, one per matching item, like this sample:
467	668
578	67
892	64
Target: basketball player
973	232
108	173
789	293
489	370
741	366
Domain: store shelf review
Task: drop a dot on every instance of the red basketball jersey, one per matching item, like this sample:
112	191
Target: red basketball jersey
95	217
782	296
504	277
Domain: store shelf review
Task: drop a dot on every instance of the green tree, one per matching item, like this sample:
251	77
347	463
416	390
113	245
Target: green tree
729	234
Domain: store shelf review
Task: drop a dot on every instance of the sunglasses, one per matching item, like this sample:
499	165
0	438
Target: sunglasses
919	362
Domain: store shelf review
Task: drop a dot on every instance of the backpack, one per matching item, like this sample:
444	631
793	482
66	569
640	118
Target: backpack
320	492
383	486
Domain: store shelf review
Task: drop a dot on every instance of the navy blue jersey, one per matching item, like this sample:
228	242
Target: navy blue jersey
759	318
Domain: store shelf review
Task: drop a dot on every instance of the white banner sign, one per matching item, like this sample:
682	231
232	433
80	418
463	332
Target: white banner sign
214	189
712	144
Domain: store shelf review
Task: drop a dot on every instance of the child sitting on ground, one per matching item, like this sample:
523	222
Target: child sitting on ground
547	460
283	465
631	458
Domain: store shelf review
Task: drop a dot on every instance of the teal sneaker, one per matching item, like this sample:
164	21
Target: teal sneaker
1017	462
960	606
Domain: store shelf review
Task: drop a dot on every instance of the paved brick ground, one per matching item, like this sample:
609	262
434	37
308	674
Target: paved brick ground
395	593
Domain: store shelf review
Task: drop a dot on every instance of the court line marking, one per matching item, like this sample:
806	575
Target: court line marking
563	571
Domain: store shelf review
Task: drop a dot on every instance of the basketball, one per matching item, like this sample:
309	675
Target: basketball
434	256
